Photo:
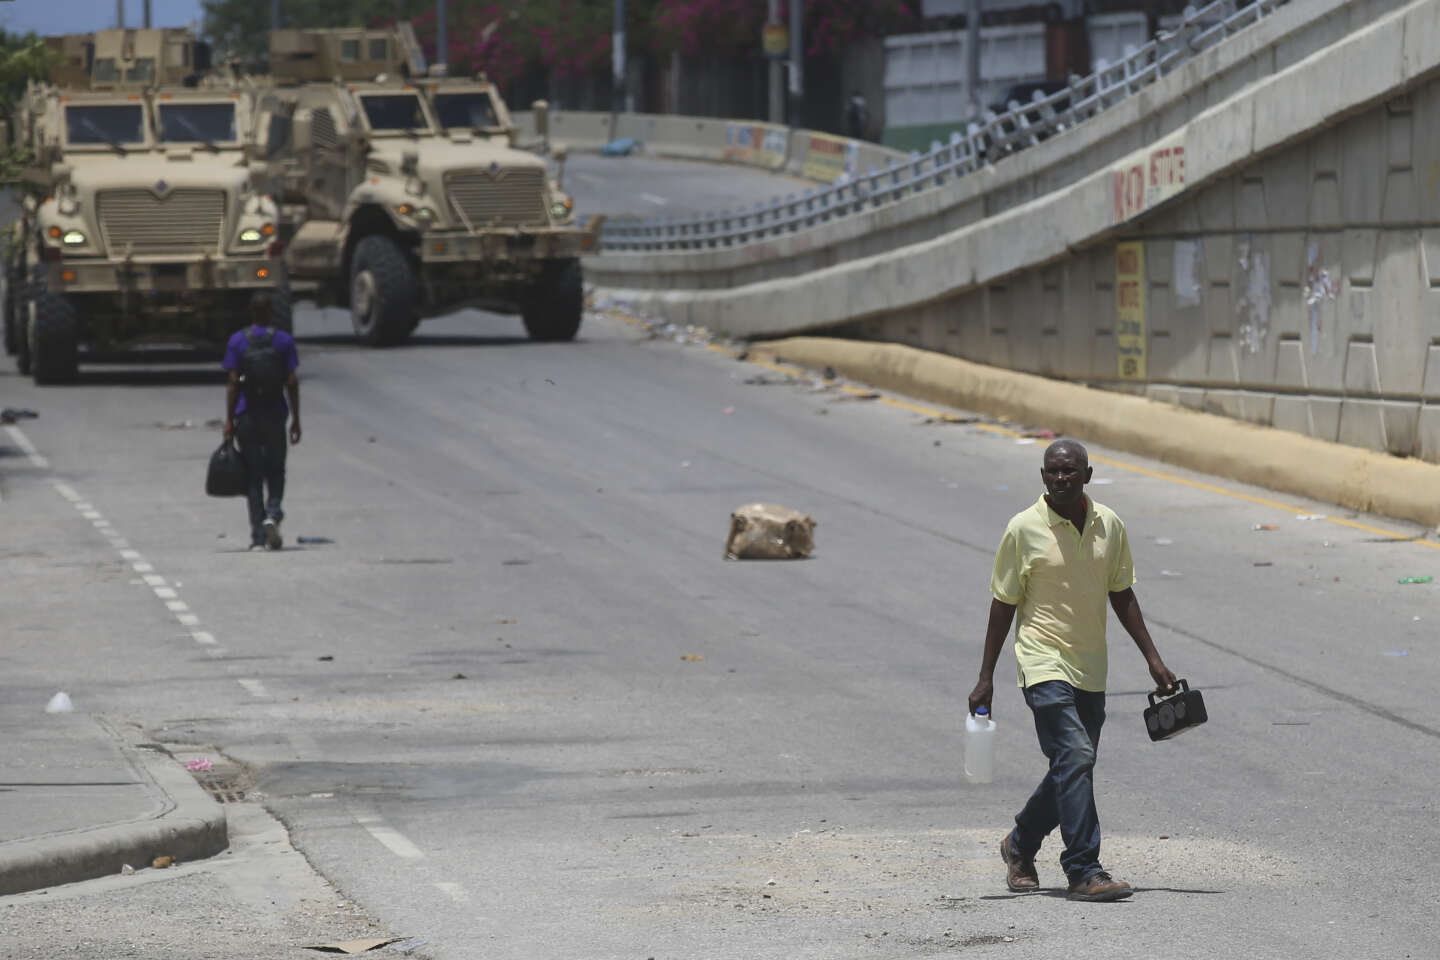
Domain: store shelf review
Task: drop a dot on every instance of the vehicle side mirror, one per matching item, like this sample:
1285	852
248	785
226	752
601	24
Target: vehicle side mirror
541	110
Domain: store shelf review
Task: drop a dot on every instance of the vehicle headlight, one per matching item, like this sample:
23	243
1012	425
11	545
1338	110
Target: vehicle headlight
423	214
257	234
560	209
73	238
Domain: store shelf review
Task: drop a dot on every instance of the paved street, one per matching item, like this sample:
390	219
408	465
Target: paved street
475	712
649	186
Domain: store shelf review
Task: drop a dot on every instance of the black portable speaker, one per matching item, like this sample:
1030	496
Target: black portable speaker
1173	715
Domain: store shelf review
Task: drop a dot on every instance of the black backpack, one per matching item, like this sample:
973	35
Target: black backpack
262	373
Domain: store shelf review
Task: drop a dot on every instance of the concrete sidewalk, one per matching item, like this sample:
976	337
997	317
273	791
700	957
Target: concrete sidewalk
79	799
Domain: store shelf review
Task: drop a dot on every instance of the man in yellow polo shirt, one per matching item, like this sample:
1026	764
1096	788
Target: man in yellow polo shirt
1057	564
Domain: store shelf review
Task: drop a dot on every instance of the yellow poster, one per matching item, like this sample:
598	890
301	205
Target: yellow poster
1130	309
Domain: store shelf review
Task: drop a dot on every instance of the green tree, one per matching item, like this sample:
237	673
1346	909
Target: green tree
22	59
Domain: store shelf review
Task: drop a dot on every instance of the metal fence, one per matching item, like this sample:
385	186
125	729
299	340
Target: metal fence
998	136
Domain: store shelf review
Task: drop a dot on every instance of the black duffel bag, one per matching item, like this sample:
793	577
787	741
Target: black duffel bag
228	475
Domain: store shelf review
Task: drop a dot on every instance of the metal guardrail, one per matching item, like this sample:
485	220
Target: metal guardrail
999	136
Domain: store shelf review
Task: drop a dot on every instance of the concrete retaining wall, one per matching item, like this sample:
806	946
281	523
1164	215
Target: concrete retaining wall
820	157
1289	278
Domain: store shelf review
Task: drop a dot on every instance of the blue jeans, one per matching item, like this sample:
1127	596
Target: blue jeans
1068	723
262	444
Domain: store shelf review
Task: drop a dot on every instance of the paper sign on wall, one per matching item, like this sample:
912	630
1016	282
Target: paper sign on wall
1130	309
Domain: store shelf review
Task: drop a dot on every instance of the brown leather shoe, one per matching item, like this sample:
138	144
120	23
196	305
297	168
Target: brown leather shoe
1100	887
1020	875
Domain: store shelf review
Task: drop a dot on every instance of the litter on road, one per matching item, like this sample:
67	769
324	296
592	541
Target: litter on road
763	531
355	946
313	540
1264	526
1310	516
1414	580
199	765
60	703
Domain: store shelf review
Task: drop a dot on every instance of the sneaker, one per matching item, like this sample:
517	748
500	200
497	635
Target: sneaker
1020	875
1099	888
272	535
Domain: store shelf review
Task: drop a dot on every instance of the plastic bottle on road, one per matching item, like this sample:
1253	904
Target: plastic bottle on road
980	746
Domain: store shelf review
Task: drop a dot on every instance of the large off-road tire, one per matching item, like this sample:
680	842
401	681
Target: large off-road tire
8	291
382	292
54	337
556	303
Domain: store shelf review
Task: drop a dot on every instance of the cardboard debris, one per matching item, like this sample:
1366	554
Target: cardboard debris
355	946
764	531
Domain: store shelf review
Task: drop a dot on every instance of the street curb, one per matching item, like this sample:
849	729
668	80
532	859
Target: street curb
1265	456
190	826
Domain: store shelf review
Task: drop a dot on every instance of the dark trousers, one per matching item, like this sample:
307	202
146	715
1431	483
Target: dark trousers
1068	723
262	444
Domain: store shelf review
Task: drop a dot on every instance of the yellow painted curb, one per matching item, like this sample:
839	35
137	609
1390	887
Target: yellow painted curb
1407	489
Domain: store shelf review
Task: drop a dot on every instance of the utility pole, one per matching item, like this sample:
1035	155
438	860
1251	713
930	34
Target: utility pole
777	69
274	14
442	42
120	14
797	61
972	57
147	14
617	65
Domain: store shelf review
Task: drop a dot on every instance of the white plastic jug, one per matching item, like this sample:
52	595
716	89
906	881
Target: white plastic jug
979	746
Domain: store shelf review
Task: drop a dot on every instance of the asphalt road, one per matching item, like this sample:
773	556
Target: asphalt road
521	707
647	186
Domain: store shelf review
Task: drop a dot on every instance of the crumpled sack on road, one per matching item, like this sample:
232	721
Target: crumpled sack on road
764	531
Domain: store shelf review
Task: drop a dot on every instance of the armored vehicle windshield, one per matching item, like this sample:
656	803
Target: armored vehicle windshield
469	110
395	112
110	124
210	123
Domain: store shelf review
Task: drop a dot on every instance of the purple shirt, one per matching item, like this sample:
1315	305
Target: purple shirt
235	349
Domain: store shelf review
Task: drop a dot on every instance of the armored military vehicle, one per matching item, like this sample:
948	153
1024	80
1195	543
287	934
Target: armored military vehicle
142	225
415	200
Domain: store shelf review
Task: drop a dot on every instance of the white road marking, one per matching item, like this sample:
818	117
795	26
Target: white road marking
188	619
100	524
133	555
90	514
141	567
82	506
28	448
658	201
120	543
67	491
176	606
165	593
155	580
203	637
254	687
454	891
391	838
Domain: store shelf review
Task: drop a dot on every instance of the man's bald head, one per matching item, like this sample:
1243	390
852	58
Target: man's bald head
1068	448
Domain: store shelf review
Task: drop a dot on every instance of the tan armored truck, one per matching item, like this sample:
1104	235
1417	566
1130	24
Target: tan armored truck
142	225
415	202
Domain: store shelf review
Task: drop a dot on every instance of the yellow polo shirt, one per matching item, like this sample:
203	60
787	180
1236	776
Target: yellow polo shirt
1060	579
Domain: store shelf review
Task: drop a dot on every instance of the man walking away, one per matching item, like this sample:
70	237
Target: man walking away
261	361
1057	564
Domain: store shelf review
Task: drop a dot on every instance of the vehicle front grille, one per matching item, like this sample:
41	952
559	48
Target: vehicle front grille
184	221
506	198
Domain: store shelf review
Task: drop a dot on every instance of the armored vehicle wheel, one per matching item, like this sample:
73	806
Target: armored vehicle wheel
553	310
54	336
382	292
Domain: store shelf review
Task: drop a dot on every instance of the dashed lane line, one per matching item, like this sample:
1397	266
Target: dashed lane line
254	687
390	838
157	583
454	891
